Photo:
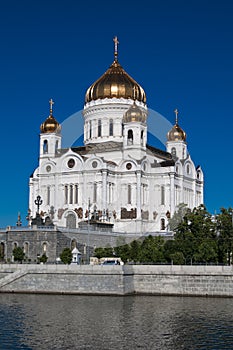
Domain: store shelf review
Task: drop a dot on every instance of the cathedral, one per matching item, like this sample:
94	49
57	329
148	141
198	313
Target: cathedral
116	180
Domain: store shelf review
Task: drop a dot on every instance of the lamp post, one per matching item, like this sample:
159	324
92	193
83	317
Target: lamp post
38	203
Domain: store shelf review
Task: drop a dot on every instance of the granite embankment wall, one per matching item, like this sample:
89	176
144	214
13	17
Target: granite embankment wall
118	280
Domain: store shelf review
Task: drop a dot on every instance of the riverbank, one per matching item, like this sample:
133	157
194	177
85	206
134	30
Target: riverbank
118	280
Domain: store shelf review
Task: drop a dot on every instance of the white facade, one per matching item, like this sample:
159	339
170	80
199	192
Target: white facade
134	186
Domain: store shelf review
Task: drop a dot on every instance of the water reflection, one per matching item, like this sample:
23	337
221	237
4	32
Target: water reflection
104	323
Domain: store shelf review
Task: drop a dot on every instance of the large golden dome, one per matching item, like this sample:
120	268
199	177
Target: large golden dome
176	133
50	125
115	82
135	114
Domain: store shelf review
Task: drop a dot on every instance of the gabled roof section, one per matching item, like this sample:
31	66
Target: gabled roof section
159	153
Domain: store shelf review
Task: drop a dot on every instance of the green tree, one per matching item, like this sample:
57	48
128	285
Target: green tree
170	248
134	250
196	236
224	222
18	254
123	252
43	258
178	216
152	250
66	256
207	251
99	252
177	258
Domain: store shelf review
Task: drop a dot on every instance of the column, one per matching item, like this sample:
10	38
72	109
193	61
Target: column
172	194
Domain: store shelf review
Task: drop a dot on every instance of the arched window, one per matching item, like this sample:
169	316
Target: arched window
71	194
111	127
99	128
71	221
94	192
48	195
142	135
162	224
76	194
73	244
45	146
173	152
130	137
56	146
188	169
162	195
66	194
90	130
44	248
129	194
26	248
2	251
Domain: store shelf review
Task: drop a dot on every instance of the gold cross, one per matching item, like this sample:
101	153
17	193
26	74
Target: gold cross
51	102
176	113
116	42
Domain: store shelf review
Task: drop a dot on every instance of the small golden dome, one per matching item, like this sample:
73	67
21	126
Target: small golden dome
135	114
115	82
50	125
176	133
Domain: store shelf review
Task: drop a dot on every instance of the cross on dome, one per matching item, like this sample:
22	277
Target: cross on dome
115	83
51	103
116	42
176	113
50	125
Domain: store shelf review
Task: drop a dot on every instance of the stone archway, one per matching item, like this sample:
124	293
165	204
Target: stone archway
71	220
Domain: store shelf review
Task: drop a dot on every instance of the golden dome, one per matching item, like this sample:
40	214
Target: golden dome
135	114
176	133
115	82
50	125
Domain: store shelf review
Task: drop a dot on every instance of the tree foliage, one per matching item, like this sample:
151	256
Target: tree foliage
224	223
43	258
178	216
196	236
18	254
200	238
66	256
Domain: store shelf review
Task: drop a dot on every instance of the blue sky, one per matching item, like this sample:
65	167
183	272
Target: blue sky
181	52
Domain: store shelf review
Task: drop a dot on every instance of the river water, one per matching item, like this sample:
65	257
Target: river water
114	323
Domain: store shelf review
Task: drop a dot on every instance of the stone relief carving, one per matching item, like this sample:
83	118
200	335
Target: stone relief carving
128	214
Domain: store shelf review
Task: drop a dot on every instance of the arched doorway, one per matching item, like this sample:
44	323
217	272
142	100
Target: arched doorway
71	221
2	251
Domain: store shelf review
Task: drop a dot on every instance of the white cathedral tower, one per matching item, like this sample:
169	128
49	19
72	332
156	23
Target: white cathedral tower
116	175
